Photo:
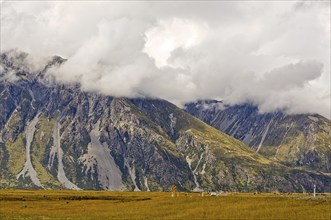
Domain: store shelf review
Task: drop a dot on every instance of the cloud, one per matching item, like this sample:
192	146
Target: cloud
273	54
168	35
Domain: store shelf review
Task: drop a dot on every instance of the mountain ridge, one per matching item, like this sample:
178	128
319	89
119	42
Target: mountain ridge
301	140
83	140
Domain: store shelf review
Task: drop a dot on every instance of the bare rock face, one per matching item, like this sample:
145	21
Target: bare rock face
301	140
57	136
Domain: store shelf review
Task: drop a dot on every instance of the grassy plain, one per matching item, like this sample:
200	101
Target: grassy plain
63	204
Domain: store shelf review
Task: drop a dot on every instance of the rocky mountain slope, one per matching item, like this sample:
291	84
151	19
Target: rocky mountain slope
301	140
57	136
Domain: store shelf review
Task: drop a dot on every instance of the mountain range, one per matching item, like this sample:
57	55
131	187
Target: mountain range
296	140
56	136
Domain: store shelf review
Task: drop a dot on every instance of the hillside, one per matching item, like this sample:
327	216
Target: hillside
301	140
57	136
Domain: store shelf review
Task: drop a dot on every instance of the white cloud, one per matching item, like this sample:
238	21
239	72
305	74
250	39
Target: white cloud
273	54
171	34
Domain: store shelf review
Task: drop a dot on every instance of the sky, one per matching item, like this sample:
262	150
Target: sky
275	55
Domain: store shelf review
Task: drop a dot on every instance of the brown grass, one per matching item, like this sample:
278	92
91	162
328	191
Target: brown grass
62	204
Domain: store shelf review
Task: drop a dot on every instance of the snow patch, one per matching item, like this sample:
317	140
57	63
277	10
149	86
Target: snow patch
28	169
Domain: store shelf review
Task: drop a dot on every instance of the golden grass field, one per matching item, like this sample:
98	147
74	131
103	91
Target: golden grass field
65	204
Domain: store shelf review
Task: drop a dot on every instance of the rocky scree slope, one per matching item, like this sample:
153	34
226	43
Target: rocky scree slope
297	140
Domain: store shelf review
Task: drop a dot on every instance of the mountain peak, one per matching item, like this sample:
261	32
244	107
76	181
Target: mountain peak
16	65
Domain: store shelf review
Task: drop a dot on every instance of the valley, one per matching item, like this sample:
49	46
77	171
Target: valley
57	136
50	204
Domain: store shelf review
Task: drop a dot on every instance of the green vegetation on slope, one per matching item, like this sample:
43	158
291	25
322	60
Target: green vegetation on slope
168	145
38	148
17	155
16	149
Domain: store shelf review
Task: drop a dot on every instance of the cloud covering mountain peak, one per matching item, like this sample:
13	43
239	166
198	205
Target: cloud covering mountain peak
275	55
